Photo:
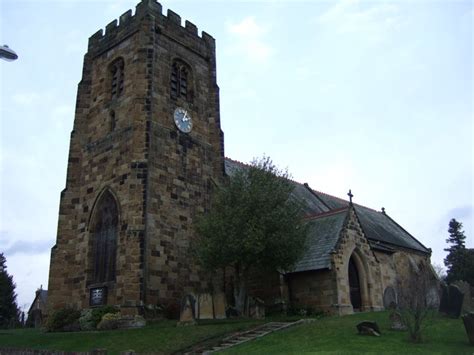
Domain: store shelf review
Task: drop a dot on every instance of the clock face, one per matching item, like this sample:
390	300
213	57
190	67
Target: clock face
183	120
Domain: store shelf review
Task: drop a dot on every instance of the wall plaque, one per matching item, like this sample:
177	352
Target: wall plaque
98	296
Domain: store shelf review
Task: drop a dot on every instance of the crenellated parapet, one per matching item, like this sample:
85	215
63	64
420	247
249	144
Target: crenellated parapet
169	25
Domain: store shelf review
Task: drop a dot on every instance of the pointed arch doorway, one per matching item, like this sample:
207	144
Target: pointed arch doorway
354	285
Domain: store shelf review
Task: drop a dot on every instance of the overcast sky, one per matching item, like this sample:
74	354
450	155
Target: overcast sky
372	96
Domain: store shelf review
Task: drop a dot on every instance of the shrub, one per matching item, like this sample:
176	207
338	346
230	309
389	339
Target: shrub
109	321
85	321
63	320
98	313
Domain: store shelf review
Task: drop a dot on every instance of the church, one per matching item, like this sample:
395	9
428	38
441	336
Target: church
146	152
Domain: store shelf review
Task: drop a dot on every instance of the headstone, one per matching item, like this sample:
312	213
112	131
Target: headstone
455	301
465	288
205	306
444	302
219	305
389	297
468	320
396	322
256	308
187	313
368	328
432	298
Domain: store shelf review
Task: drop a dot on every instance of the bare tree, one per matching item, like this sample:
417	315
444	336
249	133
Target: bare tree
418	299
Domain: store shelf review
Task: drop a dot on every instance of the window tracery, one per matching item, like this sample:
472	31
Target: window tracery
104	235
180	80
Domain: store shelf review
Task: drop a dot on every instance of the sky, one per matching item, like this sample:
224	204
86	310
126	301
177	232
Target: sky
376	97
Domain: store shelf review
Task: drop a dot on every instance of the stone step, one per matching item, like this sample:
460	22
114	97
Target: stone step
250	335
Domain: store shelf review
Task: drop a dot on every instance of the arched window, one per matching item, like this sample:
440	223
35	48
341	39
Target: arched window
180	80
117	75
104	235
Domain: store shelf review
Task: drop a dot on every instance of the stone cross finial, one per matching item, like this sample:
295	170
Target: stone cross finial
350	196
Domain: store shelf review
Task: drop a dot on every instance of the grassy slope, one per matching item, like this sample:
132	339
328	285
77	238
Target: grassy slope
339	335
327	335
161	337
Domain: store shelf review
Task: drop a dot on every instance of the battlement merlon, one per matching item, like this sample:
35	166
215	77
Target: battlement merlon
128	23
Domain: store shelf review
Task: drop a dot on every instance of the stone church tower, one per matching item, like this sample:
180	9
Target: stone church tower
145	151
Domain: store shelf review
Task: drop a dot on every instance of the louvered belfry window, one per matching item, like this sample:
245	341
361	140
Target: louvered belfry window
117	74
179	80
104	235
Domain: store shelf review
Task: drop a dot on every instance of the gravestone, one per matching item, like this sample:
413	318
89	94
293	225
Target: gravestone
456	298
396	322
187	312
256	308
468	320
389	297
219	305
205	306
368	328
432	298
444	302
465	288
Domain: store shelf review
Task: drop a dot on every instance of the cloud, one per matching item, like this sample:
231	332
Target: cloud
370	19
28	247
249	40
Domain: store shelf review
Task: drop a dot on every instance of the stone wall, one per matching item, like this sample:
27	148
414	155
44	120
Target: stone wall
316	289
270	287
160	178
102	159
396	268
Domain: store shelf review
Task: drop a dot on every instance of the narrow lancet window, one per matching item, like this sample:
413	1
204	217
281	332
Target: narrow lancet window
104	235
117	77
180	80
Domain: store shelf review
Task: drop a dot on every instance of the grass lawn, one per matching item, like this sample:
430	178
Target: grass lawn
338	335
159	337
327	335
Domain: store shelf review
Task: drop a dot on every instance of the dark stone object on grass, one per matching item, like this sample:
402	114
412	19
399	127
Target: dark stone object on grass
468	320
368	328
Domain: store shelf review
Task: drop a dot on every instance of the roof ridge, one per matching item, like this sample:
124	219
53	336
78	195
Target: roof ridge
305	184
325	214
341	199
